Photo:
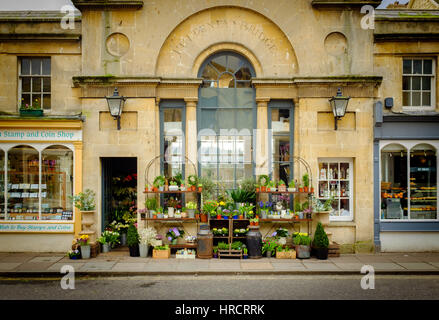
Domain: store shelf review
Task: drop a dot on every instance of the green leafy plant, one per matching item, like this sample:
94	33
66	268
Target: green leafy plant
269	244
223	246
164	247
281	183
159	181
302	239
109	237
292	184
305	180
263	180
297	206
208	187
236	245
242	196
84	201
320	238
248	185
132	236
215	249
271	184
191	205
151	204
192	180
245	251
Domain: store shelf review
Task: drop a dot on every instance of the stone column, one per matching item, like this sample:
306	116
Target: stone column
78	183
191	134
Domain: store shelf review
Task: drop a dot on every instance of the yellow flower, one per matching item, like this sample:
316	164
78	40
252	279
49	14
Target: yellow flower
222	203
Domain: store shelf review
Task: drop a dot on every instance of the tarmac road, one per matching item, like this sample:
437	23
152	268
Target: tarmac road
322	287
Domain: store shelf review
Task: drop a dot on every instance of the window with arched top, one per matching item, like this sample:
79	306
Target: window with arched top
226	70
56	183
409	181
23	183
226	117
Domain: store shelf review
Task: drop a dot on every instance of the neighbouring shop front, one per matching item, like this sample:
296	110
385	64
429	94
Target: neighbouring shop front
406	175
41	165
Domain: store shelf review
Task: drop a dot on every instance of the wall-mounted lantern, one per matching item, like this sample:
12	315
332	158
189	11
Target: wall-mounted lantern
115	104
339	105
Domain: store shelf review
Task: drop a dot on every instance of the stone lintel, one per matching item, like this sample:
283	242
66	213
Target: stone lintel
107	4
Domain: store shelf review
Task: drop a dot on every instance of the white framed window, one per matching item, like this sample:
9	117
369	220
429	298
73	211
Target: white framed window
336	182
35	82
418	84
408	180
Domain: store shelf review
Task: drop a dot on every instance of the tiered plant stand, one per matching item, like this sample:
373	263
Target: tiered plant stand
87	222
232	225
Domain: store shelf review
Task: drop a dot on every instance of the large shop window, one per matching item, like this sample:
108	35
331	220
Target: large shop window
336	183
39	183
172	141
35	86
280	123
226	119
418	83
409	183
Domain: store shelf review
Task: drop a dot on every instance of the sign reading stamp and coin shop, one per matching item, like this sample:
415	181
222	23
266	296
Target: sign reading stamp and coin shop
40	135
36	227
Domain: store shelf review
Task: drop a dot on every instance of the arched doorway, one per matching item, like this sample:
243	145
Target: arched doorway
226	117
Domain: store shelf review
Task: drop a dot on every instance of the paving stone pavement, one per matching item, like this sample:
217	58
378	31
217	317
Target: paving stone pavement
119	262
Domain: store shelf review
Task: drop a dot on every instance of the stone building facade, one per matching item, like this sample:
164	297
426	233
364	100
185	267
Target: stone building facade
280	62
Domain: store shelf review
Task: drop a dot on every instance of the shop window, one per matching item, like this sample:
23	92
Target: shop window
423	182
2	185
418	83
281	157
394	190
23	183
336	182
35	82
409	183
56	183
172	139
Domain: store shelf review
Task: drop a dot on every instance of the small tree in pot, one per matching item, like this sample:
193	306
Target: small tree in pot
321	242
133	240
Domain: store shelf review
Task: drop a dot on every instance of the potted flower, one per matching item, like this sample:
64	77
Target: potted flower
215	252
281	234
200	187
107	239
272	186
302	242
159	183
285	253
160	213
226	214
133	240
84	245
151	204
245	252
173	186
173	234
235	214
182	186
263	181
210	207
31	110
321	242
146	235
300	187
74	254
282	186
171	205
292	186
305	180
269	247
192	181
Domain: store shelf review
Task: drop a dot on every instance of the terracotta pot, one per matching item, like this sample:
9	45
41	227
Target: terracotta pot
203	217
193	188
154	216
263	189
197	216
218	216
146	189
312	190
257	189
300	189
155	189
200	189
241	217
305	189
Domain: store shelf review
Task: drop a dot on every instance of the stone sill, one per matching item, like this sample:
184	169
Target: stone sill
340	224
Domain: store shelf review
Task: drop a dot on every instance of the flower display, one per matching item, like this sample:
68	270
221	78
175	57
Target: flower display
83	240
147	234
174	233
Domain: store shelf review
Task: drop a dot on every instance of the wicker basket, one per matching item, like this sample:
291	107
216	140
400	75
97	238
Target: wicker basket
286	255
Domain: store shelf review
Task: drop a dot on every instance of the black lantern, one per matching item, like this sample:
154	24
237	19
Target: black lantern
339	105
115	104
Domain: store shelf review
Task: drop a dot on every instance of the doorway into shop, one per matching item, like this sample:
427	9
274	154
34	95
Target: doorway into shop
119	189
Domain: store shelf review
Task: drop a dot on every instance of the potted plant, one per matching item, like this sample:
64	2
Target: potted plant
282	186
84	245
281	234
85	202
151	205
305	180
269	247
173	234
108	238
182	186
192	181
191	206
159	183
263	181
245	252
146	235
292	186
171	204
200	187
258	188
302	242
74	254
215	252
173	186
133	240
234	214
161	252
321	242
33	110
160	213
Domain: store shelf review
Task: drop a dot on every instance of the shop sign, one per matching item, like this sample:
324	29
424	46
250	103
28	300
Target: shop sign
36	227
40	135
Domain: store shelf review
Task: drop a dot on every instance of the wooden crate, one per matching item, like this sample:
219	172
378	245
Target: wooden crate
334	250
95	249
286	255
161	254
230	253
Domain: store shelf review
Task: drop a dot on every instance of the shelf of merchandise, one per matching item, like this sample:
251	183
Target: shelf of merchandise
232	224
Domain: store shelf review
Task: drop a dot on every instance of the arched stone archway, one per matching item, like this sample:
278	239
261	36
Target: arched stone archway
230	28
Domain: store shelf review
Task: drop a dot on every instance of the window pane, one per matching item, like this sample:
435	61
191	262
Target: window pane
280	120
405	83
423	184
416	98
36	85
281	171
428	66
172	121
281	148
23	183
46	101
233	63
25	100
208	150
407	66
406	99
323	189
46	84
243	84
323	171
227	80
219	63
416	83
417	66
344	208
36	100
56	183
344	171
426	83
243	74
36	66
209	73
25	84
25	66
46	66
2	185
426	99
394	182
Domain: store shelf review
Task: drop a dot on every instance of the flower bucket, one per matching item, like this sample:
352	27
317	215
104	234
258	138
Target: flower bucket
225	217
105	247
123	239
303	252
143	250
85	252
191	213
174	241
268	254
